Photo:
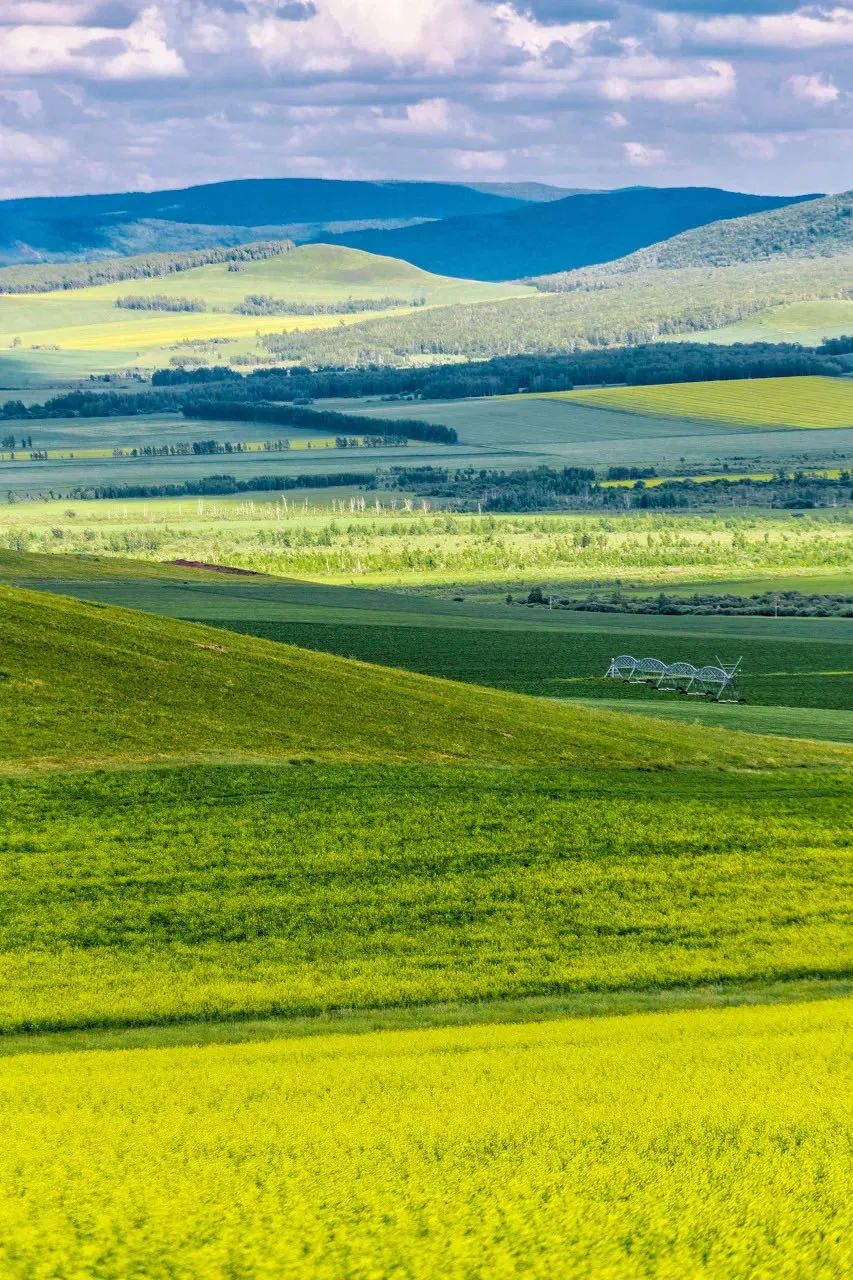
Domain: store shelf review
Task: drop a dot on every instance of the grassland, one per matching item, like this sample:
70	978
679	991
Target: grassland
236	847
792	722
199	897
809	323
413	548
86	321
83	697
704	1144
811	402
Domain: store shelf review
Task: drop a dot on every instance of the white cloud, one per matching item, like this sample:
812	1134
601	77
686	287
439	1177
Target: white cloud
819	89
479	162
654	81
27	101
641	156
432	34
100	53
19	148
804	29
615	120
753	146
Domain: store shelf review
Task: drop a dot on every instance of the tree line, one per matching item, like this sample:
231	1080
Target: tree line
314	420
263	304
502	375
223	485
49	277
159	302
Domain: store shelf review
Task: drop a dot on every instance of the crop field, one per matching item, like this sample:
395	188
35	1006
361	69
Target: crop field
811	402
703	1144
147	897
571	663
217	851
792	722
563	429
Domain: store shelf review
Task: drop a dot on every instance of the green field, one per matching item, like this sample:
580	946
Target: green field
90	334
702	1144
809	323
797	675
811	402
792	722
218	851
199	897
399	548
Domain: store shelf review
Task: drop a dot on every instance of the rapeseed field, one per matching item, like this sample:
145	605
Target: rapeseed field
711	1143
150	897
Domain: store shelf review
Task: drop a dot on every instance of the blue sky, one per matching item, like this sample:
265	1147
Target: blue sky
100	95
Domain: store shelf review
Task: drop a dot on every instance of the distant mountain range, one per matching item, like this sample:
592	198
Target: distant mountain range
485	231
226	213
560	235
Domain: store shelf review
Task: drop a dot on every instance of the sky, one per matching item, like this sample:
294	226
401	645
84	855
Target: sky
114	95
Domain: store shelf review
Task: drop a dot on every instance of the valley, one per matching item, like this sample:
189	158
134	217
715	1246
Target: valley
356	921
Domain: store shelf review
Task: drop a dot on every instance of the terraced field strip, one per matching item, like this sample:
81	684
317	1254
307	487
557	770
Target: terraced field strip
810	402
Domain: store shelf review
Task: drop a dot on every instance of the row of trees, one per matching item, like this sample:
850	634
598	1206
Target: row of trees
318	420
159	302
263	304
48	277
172	388
222	485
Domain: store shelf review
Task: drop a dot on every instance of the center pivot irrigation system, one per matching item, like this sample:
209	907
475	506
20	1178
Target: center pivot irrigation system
717	682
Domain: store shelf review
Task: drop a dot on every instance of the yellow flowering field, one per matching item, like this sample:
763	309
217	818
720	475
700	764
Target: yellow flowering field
706	1143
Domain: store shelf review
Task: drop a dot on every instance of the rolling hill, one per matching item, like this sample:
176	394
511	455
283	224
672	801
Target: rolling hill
559	235
607	311
204	825
57	228
84	696
808	229
280	288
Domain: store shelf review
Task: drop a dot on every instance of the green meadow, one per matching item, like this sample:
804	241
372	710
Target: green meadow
809	323
80	331
810	402
297	950
469	843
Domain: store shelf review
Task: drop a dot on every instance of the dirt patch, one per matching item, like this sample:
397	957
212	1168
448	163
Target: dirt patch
217	568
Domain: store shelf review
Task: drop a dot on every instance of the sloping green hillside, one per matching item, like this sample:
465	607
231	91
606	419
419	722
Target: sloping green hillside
83	683
814	229
607	311
221	307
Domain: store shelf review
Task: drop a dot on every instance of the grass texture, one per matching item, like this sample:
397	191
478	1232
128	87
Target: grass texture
703	1144
750	402
145	897
88	684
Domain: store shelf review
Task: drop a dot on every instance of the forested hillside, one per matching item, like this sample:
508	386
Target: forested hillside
815	228
608	312
560	235
53	277
60	228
